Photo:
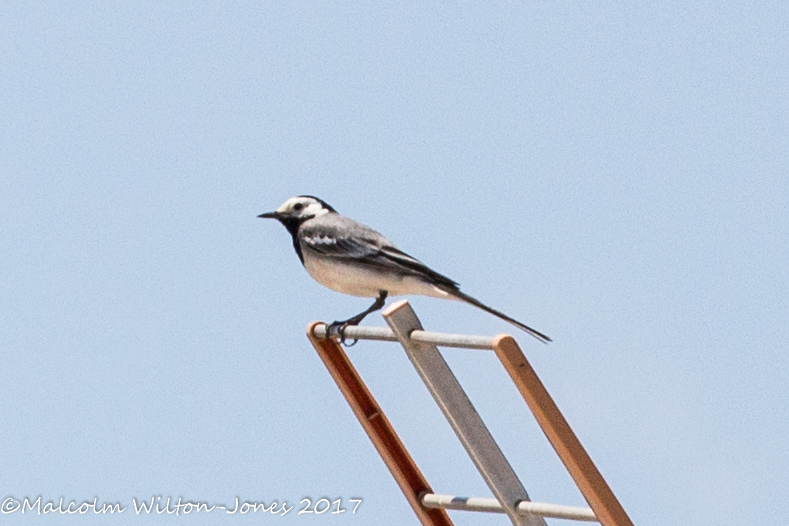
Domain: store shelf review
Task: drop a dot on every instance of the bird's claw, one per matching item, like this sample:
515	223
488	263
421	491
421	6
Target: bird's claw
336	331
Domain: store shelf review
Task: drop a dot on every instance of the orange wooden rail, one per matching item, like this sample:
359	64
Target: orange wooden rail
377	426
575	458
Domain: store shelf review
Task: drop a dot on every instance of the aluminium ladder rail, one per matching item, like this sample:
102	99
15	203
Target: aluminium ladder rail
511	497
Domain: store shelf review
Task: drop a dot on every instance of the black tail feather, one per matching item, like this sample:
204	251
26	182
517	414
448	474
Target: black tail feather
468	299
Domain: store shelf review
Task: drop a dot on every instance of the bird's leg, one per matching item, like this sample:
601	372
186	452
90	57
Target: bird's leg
337	329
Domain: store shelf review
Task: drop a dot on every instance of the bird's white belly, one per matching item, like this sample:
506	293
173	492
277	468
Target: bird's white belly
357	280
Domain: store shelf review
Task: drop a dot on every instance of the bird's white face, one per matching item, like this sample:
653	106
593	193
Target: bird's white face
300	206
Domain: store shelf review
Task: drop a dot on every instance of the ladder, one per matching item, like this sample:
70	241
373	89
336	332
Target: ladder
510	496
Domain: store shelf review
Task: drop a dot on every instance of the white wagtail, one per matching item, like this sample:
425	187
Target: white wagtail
352	258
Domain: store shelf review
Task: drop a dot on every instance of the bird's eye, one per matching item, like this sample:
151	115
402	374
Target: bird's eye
297	207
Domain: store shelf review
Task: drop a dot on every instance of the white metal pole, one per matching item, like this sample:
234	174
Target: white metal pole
541	509
358	332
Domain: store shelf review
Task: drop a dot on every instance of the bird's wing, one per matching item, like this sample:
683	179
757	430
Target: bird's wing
335	243
401	259
341	238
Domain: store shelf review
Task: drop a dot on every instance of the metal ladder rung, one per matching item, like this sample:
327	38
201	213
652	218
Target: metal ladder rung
525	508
463	341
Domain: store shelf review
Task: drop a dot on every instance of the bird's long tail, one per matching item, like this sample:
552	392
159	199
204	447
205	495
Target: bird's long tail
468	299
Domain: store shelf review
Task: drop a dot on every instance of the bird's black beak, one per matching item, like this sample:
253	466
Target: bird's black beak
271	215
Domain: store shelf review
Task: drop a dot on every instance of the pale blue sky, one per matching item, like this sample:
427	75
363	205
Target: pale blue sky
615	175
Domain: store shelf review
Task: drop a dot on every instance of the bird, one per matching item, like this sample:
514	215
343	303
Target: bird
351	258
